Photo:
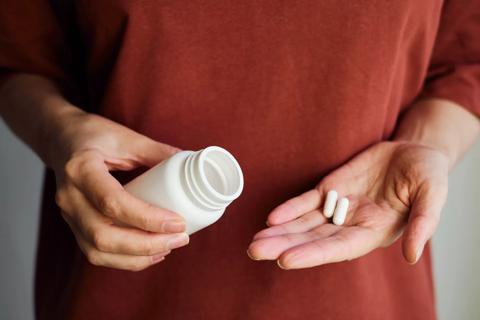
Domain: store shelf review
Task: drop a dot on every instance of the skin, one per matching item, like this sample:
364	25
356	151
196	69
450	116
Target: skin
395	188
113	228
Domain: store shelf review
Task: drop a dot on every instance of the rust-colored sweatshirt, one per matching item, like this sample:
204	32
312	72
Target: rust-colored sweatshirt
292	88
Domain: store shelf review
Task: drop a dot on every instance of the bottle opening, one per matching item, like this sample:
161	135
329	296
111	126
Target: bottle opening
222	172
213	177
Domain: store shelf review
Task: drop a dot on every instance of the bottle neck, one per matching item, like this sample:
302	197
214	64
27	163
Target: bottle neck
213	178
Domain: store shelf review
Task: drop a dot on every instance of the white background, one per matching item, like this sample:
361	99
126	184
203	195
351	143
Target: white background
456	253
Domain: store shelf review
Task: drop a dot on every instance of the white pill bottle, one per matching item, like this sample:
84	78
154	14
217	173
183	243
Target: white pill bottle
196	185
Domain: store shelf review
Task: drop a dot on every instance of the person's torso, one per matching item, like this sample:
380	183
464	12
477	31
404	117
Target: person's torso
293	89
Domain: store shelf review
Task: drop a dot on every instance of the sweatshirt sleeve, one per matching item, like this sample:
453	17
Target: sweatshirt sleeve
31	40
454	72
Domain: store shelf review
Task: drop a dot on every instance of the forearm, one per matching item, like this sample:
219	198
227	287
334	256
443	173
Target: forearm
33	107
440	124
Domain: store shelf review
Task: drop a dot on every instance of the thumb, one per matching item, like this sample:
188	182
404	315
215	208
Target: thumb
423	219
150	152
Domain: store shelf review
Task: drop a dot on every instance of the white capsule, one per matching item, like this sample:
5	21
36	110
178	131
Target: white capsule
340	211
330	202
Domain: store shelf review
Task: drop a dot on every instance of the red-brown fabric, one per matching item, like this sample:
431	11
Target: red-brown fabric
454	72
292	88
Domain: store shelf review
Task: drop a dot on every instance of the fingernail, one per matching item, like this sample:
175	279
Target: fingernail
158	258
178	241
280	265
418	253
174	226
250	256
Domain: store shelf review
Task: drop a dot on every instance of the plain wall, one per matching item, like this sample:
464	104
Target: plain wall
456	254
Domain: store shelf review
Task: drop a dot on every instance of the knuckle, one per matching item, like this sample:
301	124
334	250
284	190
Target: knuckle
145	220
71	168
79	162
109	205
148	248
100	241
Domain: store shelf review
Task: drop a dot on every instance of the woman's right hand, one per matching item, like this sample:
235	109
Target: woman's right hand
112	227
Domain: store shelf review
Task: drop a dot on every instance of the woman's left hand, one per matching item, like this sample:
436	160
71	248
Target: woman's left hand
394	188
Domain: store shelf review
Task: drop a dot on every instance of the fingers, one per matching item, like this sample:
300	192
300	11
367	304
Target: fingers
295	207
95	229
303	223
309	201
118	261
346	244
113	239
90	175
270	248
151	153
423	219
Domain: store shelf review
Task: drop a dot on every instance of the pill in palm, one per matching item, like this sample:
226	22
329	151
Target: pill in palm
340	211
330	202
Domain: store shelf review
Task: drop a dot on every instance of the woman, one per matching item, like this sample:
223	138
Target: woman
376	100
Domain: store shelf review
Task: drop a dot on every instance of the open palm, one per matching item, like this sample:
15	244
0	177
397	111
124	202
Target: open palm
393	188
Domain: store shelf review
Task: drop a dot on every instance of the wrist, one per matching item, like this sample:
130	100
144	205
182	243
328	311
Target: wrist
441	125
35	110
57	133
422	138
